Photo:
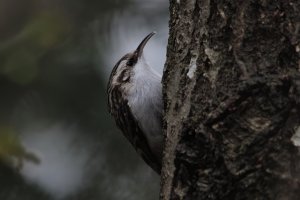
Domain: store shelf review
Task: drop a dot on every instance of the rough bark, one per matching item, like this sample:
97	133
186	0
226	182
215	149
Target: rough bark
231	89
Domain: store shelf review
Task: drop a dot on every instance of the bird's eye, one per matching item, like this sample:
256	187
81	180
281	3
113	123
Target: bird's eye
130	62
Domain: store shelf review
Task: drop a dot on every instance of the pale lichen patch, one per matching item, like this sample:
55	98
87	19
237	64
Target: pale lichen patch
258	123
296	137
222	13
211	75
297	48
212	55
192	66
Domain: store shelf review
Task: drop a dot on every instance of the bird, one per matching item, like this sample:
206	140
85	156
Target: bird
135	101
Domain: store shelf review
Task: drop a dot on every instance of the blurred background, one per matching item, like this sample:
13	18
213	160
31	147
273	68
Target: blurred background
57	140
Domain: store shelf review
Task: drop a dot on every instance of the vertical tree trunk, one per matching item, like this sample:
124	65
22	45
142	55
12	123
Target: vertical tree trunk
231	91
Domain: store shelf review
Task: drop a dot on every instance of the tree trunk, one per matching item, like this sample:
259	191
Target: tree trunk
231	89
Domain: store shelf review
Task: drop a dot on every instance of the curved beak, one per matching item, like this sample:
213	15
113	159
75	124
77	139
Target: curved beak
139	49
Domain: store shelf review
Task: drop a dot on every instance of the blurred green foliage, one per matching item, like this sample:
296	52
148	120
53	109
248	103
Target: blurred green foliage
12	150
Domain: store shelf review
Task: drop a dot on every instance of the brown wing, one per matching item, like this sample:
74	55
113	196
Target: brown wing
120	110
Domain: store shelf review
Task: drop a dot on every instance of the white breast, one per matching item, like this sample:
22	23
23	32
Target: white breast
145	101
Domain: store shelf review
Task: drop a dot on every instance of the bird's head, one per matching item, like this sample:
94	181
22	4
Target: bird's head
124	68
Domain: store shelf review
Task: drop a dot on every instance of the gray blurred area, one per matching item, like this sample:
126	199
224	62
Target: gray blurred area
57	140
